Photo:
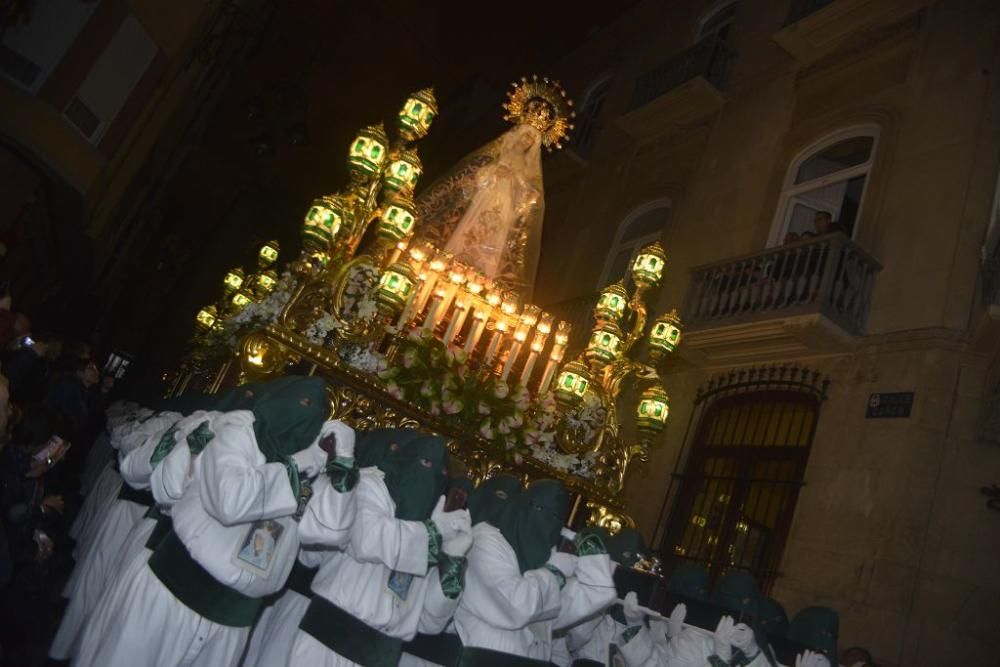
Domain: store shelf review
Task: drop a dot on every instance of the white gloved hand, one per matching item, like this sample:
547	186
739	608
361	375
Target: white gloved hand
723	638
742	638
633	615
450	524
811	659
565	563
310	461
675	624
342	437
458	545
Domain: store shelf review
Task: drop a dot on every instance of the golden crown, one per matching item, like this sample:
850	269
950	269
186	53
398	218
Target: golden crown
543	104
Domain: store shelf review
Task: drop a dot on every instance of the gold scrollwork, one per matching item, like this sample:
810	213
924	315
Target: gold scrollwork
261	357
351	326
611	519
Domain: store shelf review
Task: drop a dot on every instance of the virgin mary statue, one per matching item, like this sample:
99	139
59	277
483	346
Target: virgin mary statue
487	211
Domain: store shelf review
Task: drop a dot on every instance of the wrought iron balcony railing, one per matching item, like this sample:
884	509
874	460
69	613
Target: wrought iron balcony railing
828	275
710	58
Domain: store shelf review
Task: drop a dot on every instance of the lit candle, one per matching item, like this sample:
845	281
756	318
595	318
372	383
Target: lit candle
479	323
398	250
431	318
515	348
556	355
501	327
537	345
457	320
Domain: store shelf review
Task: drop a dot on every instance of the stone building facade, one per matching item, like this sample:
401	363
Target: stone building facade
722	129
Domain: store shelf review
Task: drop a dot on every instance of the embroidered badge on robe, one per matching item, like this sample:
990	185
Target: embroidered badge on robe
399	583
256	551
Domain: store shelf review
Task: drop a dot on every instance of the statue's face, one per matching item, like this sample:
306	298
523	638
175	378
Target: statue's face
541	109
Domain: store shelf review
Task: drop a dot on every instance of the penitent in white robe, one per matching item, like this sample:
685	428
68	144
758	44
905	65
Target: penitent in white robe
233	487
501	608
166	483
355	579
326	524
92	573
123	437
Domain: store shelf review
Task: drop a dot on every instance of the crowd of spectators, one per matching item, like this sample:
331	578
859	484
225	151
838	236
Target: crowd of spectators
52	401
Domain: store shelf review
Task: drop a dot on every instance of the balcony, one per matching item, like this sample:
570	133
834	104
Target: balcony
819	28
805	298
680	91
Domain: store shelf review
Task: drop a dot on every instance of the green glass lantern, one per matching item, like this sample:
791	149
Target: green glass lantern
647	269
233	280
572	383
323	221
402	173
395	288
397	220
268	254
241	300
665	336
417	114
206	318
368	151
605	343
652	412
265	281
611	304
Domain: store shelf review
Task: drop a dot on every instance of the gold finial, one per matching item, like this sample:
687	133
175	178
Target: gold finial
542	104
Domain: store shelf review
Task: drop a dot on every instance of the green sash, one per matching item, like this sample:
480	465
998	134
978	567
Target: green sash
144	498
443	649
300	579
348	637
474	656
197	589
164	524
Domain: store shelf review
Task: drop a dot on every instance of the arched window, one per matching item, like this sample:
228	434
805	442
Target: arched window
588	120
640	228
751	435
825	186
717	21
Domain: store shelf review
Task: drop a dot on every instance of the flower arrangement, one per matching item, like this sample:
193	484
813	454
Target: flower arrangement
439	380
359	293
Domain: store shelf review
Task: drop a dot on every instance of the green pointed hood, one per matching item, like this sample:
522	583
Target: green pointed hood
817	627
371	447
532	528
416	474
690	580
737	591
494	497
626	547
288	418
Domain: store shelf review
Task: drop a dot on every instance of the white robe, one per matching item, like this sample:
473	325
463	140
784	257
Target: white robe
99	455
123	437
135	554
501	608
355	579
92	573
325	526
233	487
